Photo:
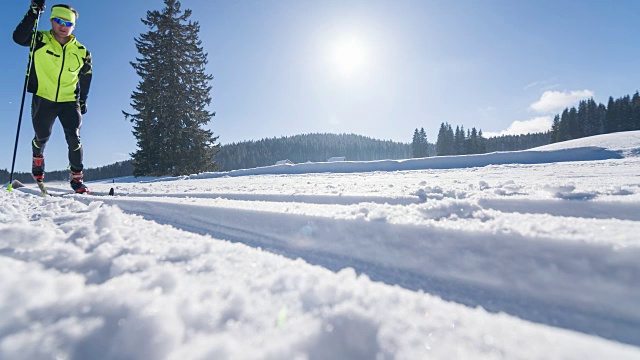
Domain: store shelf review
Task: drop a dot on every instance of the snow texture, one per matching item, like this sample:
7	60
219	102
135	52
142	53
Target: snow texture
514	255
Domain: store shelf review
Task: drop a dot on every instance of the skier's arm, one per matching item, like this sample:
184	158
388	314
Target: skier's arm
85	78
22	33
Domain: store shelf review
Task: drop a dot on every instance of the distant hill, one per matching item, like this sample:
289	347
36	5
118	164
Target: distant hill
308	147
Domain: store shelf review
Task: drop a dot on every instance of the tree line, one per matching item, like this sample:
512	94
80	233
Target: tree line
461	142
589	118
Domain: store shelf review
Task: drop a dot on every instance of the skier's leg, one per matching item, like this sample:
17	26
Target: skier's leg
71	120
43	115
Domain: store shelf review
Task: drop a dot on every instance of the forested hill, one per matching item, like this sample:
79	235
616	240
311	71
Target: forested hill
308	147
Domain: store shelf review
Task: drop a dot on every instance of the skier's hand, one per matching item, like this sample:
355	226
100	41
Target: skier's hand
37	6
83	107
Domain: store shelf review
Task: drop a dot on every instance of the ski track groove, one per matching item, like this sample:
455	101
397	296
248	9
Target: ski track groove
425	265
560	207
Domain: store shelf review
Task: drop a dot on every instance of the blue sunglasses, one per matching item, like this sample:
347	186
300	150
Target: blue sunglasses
63	22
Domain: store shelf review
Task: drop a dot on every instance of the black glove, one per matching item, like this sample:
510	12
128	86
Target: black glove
37	6
83	107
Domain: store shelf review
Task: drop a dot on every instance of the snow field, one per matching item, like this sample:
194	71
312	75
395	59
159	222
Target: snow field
506	261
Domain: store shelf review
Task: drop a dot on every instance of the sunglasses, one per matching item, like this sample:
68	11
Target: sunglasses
63	22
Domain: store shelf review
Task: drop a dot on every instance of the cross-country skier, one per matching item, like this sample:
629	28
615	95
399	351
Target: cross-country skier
59	79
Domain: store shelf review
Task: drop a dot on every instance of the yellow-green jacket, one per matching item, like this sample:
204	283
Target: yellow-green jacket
59	73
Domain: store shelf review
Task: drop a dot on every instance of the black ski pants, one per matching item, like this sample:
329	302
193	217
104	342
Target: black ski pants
44	114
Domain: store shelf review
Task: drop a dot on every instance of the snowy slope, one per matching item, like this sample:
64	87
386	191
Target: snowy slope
521	255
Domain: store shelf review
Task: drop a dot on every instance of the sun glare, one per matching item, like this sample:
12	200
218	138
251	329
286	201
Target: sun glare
349	56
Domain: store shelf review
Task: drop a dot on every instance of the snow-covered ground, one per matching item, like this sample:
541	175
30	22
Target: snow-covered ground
521	255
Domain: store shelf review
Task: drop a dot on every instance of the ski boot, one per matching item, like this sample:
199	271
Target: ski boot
37	170
76	183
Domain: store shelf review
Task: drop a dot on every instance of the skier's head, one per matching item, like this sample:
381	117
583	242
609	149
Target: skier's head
63	19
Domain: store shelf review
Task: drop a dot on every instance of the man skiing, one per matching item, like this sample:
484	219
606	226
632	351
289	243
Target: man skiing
59	79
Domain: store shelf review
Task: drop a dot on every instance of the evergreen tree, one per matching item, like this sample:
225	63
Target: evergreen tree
415	144
583	116
172	96
594	118
459	140
635	103
450	138
611	120
441	140
474	142
574	126
445	145
564	133
423	143
555	129
482	143
626	113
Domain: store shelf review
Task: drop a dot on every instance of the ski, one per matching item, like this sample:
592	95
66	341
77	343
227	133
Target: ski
91	193
44	192
43	189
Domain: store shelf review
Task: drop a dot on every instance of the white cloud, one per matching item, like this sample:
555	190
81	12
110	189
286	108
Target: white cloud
535	125
551	101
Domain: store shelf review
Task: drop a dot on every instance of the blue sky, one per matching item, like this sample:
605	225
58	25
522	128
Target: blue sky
371	67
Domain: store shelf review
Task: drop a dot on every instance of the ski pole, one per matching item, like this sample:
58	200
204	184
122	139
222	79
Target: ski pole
24	93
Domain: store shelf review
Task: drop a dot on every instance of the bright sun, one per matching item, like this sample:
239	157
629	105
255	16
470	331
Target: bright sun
349	56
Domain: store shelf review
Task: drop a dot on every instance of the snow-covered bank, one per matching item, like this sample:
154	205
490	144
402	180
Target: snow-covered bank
520	260
440	162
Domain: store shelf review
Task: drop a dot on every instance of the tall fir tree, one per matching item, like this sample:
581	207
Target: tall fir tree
555	129
441	141
474	141
611	123
594	119
481	143
459	140
172	97
419	145
415	144
424	144
445	145
626	113
575	132
635	102
564	133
